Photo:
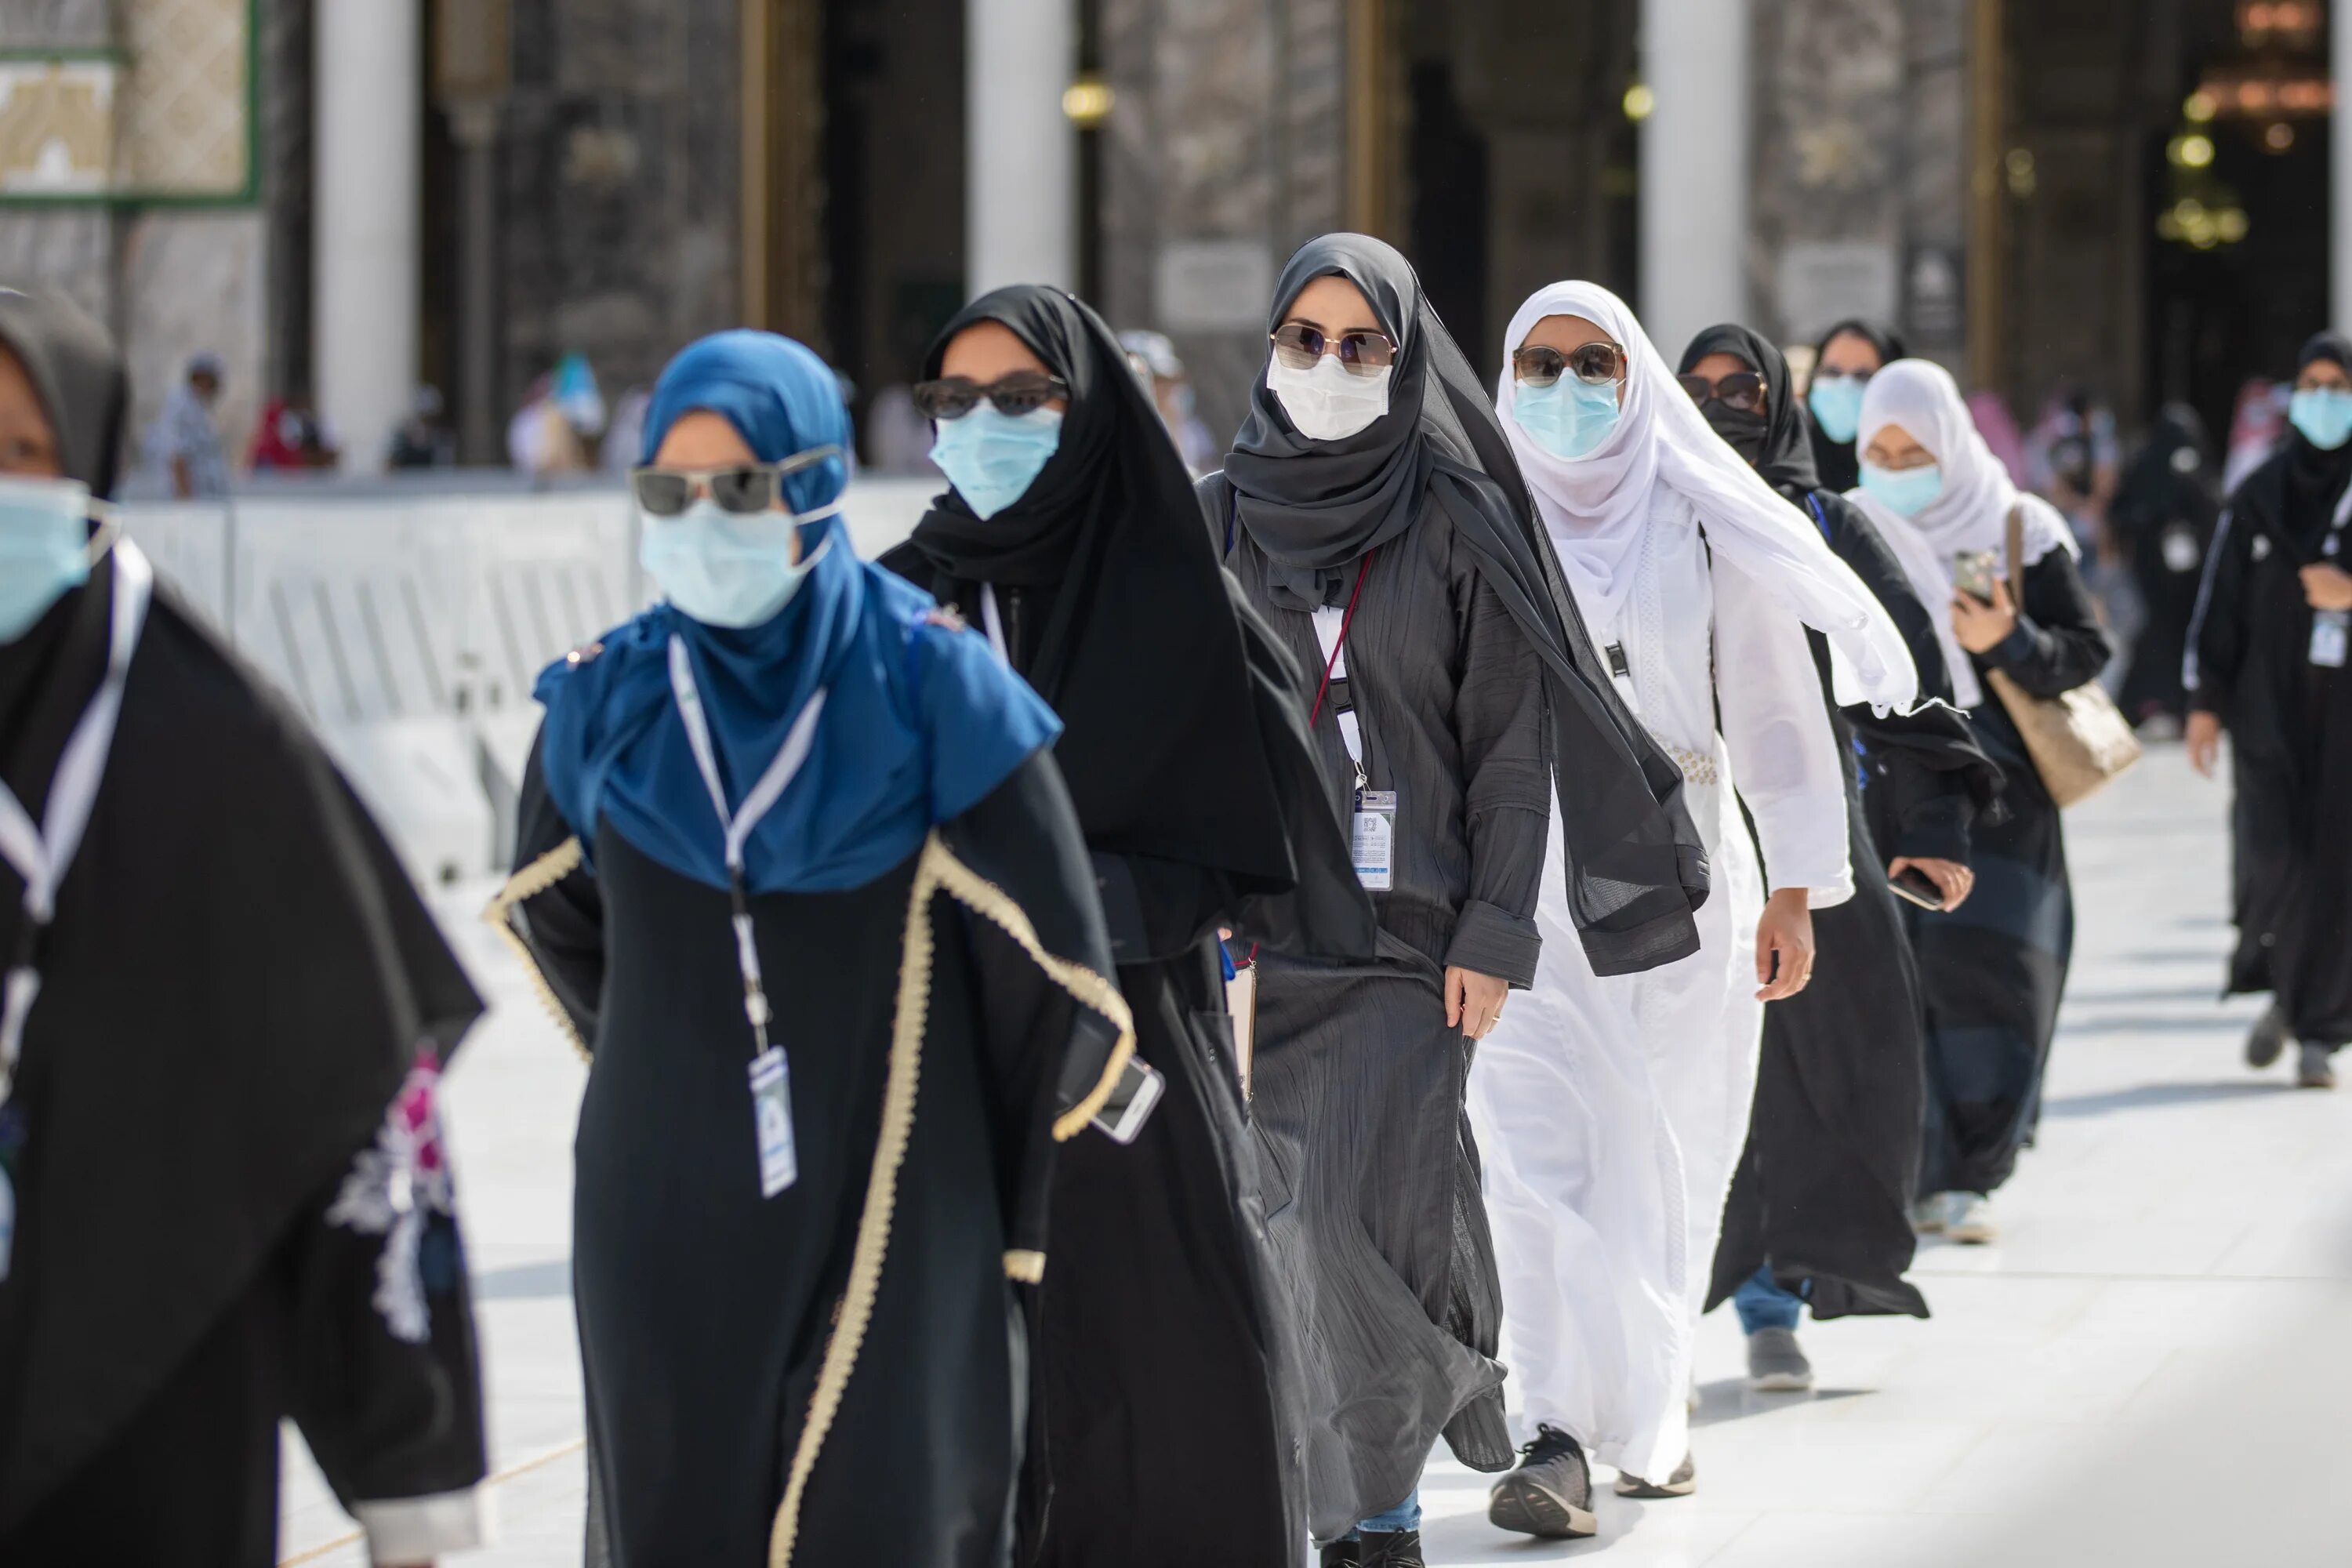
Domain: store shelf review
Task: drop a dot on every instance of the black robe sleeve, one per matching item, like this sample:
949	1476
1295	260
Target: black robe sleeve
561	925
2057	644
1500	717
385	1380
2217	634
1048	1053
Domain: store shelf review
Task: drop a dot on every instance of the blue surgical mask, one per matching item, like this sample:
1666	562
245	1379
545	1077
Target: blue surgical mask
724	568
1836	403
993	459
2323	414
1904	491
43	548
1570	417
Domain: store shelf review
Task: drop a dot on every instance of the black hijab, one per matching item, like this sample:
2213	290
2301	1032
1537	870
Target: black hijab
78	378
1781	447
1141	653
1635	861
1836	462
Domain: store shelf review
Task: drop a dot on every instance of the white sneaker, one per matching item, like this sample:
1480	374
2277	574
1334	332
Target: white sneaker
1931	1213
1970	1221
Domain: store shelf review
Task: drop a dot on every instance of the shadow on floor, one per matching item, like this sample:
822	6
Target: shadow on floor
2149	1095
1733	1400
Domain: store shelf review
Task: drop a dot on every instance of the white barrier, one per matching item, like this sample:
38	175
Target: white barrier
410	628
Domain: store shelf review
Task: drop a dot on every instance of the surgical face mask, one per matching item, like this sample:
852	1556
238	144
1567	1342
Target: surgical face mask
1836	403
992	457
45	548
2323	414
1904	491
724	568
1570	418
1329	402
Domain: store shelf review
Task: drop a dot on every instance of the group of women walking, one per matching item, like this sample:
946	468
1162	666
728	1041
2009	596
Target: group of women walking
1550	755
1115	1029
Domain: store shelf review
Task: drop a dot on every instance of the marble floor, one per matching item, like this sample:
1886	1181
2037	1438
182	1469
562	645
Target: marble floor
2152	1367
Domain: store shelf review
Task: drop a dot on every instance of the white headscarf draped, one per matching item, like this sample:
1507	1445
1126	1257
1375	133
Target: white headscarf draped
1595	508
1971	513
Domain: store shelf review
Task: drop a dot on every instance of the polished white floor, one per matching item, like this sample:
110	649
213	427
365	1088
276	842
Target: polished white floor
2154	1366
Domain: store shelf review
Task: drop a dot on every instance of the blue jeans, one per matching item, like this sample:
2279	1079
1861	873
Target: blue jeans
1763	1304
1406	1515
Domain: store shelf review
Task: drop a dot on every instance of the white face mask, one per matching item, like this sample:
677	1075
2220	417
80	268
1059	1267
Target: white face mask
1328	402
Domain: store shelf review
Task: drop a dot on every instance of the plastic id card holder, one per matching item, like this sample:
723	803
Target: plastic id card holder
1375	840
771	1114
2331	638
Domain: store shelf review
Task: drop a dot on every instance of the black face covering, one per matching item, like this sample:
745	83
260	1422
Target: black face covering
1777	442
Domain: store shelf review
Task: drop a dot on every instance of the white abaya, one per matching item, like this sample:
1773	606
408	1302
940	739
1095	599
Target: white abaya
1612	1112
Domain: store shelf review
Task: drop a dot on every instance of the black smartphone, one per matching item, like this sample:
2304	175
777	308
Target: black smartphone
1916	885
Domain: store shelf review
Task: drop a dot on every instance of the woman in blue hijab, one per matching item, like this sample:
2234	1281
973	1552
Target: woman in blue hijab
799	871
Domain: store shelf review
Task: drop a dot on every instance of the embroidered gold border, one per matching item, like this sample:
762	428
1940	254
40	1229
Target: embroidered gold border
524	885
937	871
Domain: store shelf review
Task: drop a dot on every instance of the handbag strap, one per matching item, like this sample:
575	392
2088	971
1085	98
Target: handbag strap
2015	542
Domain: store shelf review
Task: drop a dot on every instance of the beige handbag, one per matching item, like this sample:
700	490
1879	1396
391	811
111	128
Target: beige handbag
2079	741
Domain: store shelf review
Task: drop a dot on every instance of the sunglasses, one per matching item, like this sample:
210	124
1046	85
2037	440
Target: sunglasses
1741	391
1595	364
1362	351
1018	393
740	489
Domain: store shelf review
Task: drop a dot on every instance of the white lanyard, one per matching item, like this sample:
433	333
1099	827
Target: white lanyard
994	619
42	855
739	823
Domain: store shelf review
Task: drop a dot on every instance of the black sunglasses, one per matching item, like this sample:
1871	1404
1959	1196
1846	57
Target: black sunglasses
1742	390
1362	351
740	491
1595	364
1018	393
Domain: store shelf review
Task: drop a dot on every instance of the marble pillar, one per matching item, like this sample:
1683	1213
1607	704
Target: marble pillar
367	250
1021	151
1695	60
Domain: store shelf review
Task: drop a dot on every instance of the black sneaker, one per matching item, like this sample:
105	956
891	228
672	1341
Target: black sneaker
1391	1549
1549	1495
2268	1038
1347	1554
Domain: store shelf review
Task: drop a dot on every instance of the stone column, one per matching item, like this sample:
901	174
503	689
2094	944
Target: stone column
2339	265
1021	205
1694	167
365	256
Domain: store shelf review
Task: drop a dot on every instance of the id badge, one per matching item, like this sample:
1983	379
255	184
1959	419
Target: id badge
2180	551
771	1114
1375	840
2331	635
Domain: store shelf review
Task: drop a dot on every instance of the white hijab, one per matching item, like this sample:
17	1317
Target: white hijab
1971	513
1596	507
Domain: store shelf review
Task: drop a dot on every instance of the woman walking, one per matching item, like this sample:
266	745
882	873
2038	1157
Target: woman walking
2163	519
1819	1211
1613	1107
799	868
1372	509
2267	662
1994	976
1848	355
1168	1394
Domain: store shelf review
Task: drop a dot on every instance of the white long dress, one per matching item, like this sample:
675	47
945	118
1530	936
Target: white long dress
1610	1112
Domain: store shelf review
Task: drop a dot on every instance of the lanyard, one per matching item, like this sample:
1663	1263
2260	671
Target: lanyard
739	823
994	619
1351	734
42	855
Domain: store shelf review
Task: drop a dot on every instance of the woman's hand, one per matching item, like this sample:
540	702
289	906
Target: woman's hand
2204	741
1474	1002
1786	933
1952	880
1981	626
2326	587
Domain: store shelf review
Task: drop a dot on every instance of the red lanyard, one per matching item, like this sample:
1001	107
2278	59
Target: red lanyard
1346	620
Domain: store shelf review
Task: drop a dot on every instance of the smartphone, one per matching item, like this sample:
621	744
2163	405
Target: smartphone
1917	886
1131	1100
1973	572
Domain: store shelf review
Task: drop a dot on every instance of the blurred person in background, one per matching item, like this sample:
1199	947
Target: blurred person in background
1819	1211
1171	391
2072	462
1993	974
2267	657
422	440
225	1198
540	440
2162	519
184	444
2257	424
897	436
290	435
1848	355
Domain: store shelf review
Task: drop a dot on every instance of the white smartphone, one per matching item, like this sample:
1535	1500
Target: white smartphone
1131	1100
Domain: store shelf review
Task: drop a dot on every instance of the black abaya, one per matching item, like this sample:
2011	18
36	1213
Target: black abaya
2164	514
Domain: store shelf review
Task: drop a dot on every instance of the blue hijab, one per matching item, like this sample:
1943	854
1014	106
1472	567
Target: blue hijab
921	720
